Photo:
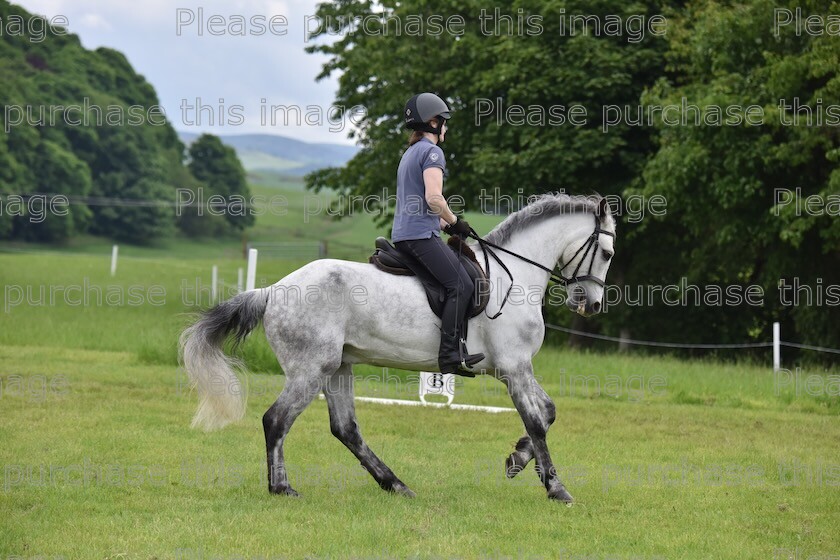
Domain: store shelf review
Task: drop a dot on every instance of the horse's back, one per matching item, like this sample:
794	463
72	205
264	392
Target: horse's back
361	288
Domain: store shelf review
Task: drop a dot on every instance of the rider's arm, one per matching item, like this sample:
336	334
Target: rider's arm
433	179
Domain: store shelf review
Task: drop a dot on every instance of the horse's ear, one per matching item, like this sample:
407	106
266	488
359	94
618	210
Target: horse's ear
603	208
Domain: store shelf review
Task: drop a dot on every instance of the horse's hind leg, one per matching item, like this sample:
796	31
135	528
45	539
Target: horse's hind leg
339	392
278	419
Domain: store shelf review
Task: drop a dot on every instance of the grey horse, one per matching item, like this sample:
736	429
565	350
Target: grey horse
330	314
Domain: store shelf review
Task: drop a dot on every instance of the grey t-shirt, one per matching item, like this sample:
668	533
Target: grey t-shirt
414	219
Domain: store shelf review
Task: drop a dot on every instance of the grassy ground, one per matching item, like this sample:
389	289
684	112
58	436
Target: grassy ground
99	462
71	301
666	458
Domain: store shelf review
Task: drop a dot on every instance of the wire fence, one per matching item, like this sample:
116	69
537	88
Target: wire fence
690	346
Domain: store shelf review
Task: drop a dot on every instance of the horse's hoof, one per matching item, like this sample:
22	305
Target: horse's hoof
403	490
561	495
512	468
285	491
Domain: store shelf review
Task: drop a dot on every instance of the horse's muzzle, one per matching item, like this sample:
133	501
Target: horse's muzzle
579	303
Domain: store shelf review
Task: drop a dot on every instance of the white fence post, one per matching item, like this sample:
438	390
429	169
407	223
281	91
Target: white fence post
114	250
777	350
251	281
214	285
239	280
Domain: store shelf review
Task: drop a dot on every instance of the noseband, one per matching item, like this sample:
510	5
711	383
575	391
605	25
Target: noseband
590	245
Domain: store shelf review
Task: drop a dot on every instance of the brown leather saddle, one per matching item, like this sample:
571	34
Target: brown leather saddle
388	258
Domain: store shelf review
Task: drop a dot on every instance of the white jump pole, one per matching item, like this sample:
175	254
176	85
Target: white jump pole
251	281
240	284
214	284
777	347
114	251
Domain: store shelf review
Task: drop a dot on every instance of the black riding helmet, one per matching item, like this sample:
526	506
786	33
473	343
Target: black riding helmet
422	108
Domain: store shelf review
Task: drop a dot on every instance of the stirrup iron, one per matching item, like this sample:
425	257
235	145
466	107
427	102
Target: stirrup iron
468	360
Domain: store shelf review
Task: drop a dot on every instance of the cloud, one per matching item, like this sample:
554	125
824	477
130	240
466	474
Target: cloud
95	21
238	70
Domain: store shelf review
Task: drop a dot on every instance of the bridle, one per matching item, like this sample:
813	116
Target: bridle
590	245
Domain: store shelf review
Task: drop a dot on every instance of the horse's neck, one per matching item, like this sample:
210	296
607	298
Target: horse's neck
543	242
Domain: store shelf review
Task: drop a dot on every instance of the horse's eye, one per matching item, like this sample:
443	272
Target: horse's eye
606	254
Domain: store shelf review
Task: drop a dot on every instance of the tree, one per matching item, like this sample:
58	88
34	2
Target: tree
723	179
506	69
221	173
722	226
135	164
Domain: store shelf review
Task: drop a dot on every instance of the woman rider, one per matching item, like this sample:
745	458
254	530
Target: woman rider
420	214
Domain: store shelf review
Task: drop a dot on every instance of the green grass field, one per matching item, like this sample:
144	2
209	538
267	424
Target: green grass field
666	458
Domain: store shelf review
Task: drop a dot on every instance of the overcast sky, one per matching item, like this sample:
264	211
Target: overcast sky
239	70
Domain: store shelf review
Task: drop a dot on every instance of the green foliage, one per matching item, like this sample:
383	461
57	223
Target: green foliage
724	222
381	72
550	69
108	147
221	172
720	227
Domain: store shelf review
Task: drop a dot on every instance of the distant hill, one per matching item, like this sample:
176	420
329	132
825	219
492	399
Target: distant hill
268	153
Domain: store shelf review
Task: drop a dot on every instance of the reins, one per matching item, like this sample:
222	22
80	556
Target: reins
589	244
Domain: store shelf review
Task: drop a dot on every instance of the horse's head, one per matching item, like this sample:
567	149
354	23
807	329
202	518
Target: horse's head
586	260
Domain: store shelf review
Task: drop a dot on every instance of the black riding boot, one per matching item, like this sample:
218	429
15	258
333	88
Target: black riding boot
453	356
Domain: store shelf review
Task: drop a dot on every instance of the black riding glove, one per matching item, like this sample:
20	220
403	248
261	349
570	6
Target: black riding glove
460	228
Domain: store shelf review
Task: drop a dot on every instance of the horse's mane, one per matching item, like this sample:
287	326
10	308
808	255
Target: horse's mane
539	208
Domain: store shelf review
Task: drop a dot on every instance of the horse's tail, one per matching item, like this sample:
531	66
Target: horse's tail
221	396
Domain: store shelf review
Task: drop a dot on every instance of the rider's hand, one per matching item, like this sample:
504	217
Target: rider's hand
460	228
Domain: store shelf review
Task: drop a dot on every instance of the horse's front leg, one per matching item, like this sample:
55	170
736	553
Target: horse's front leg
524	452
537	411
519	459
